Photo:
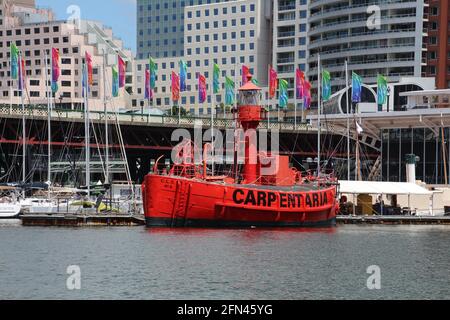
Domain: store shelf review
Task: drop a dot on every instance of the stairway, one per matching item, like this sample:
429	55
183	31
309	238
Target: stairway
375	173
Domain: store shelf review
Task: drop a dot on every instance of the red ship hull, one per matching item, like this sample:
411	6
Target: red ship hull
172	201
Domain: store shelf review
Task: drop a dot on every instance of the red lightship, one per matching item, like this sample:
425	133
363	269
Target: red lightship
187	196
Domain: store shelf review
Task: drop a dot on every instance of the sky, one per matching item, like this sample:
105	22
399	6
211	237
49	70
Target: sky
118	14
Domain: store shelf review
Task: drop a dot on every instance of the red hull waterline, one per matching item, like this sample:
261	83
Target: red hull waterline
180	202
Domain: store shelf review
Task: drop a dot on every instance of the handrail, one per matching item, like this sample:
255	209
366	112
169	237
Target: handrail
35	112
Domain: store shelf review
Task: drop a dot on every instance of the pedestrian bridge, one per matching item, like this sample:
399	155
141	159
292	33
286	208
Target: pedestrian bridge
36	113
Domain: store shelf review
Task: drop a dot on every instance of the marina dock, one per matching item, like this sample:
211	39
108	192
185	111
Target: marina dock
394	220
61	220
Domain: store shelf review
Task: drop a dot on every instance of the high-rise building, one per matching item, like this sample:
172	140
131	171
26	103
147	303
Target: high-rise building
376	37
35	31
160	27
290	27
231	34
438	42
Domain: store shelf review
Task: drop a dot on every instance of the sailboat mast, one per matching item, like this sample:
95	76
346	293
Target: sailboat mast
106	120
49	111
87	130
348	120
319	115
24	134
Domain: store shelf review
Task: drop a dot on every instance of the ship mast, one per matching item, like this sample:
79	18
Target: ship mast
106	121
87	129
319	115
24	134
49	123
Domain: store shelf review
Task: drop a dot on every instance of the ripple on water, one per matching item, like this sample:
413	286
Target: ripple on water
135	263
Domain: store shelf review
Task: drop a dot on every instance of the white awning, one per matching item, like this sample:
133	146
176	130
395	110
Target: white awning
386	188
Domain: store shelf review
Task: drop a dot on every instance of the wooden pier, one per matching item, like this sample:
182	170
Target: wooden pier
64	220
394	220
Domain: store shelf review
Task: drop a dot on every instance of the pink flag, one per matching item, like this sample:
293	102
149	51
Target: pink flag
148	89
306	95
273	83
245	74
299	83
201	88
175	87
122	71
56	72
89	68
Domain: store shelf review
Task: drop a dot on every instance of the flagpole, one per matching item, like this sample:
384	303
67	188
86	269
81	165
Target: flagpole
319	115
49	111
236	160
348	120
87	130
24	137
295	101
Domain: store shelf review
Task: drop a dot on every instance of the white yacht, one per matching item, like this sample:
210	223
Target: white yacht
10	208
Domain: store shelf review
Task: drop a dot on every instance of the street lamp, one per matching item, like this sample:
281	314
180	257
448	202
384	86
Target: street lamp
61	97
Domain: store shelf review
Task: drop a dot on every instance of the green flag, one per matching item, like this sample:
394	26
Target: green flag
14	61
326	85
229	92
216	79
382	90
153	73
283	88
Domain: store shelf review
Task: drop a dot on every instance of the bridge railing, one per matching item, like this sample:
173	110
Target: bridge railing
146	119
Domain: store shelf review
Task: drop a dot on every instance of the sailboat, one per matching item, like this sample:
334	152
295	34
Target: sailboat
37	205
10	207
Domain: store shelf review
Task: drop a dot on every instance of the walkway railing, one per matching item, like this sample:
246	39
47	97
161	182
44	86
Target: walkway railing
145	119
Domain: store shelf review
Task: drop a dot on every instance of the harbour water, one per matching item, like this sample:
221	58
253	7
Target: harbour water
136	263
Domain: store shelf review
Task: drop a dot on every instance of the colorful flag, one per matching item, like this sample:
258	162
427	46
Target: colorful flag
122	72
216	80
273	82
21	83
326	85
382	90
306	95
283	87
56	71
90	69
148	89
14	61
229	92
183	76
175	87
245	74
153	73
299	83
201	88
115	81
356	88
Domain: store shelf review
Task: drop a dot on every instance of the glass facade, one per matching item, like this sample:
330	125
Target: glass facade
160	27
